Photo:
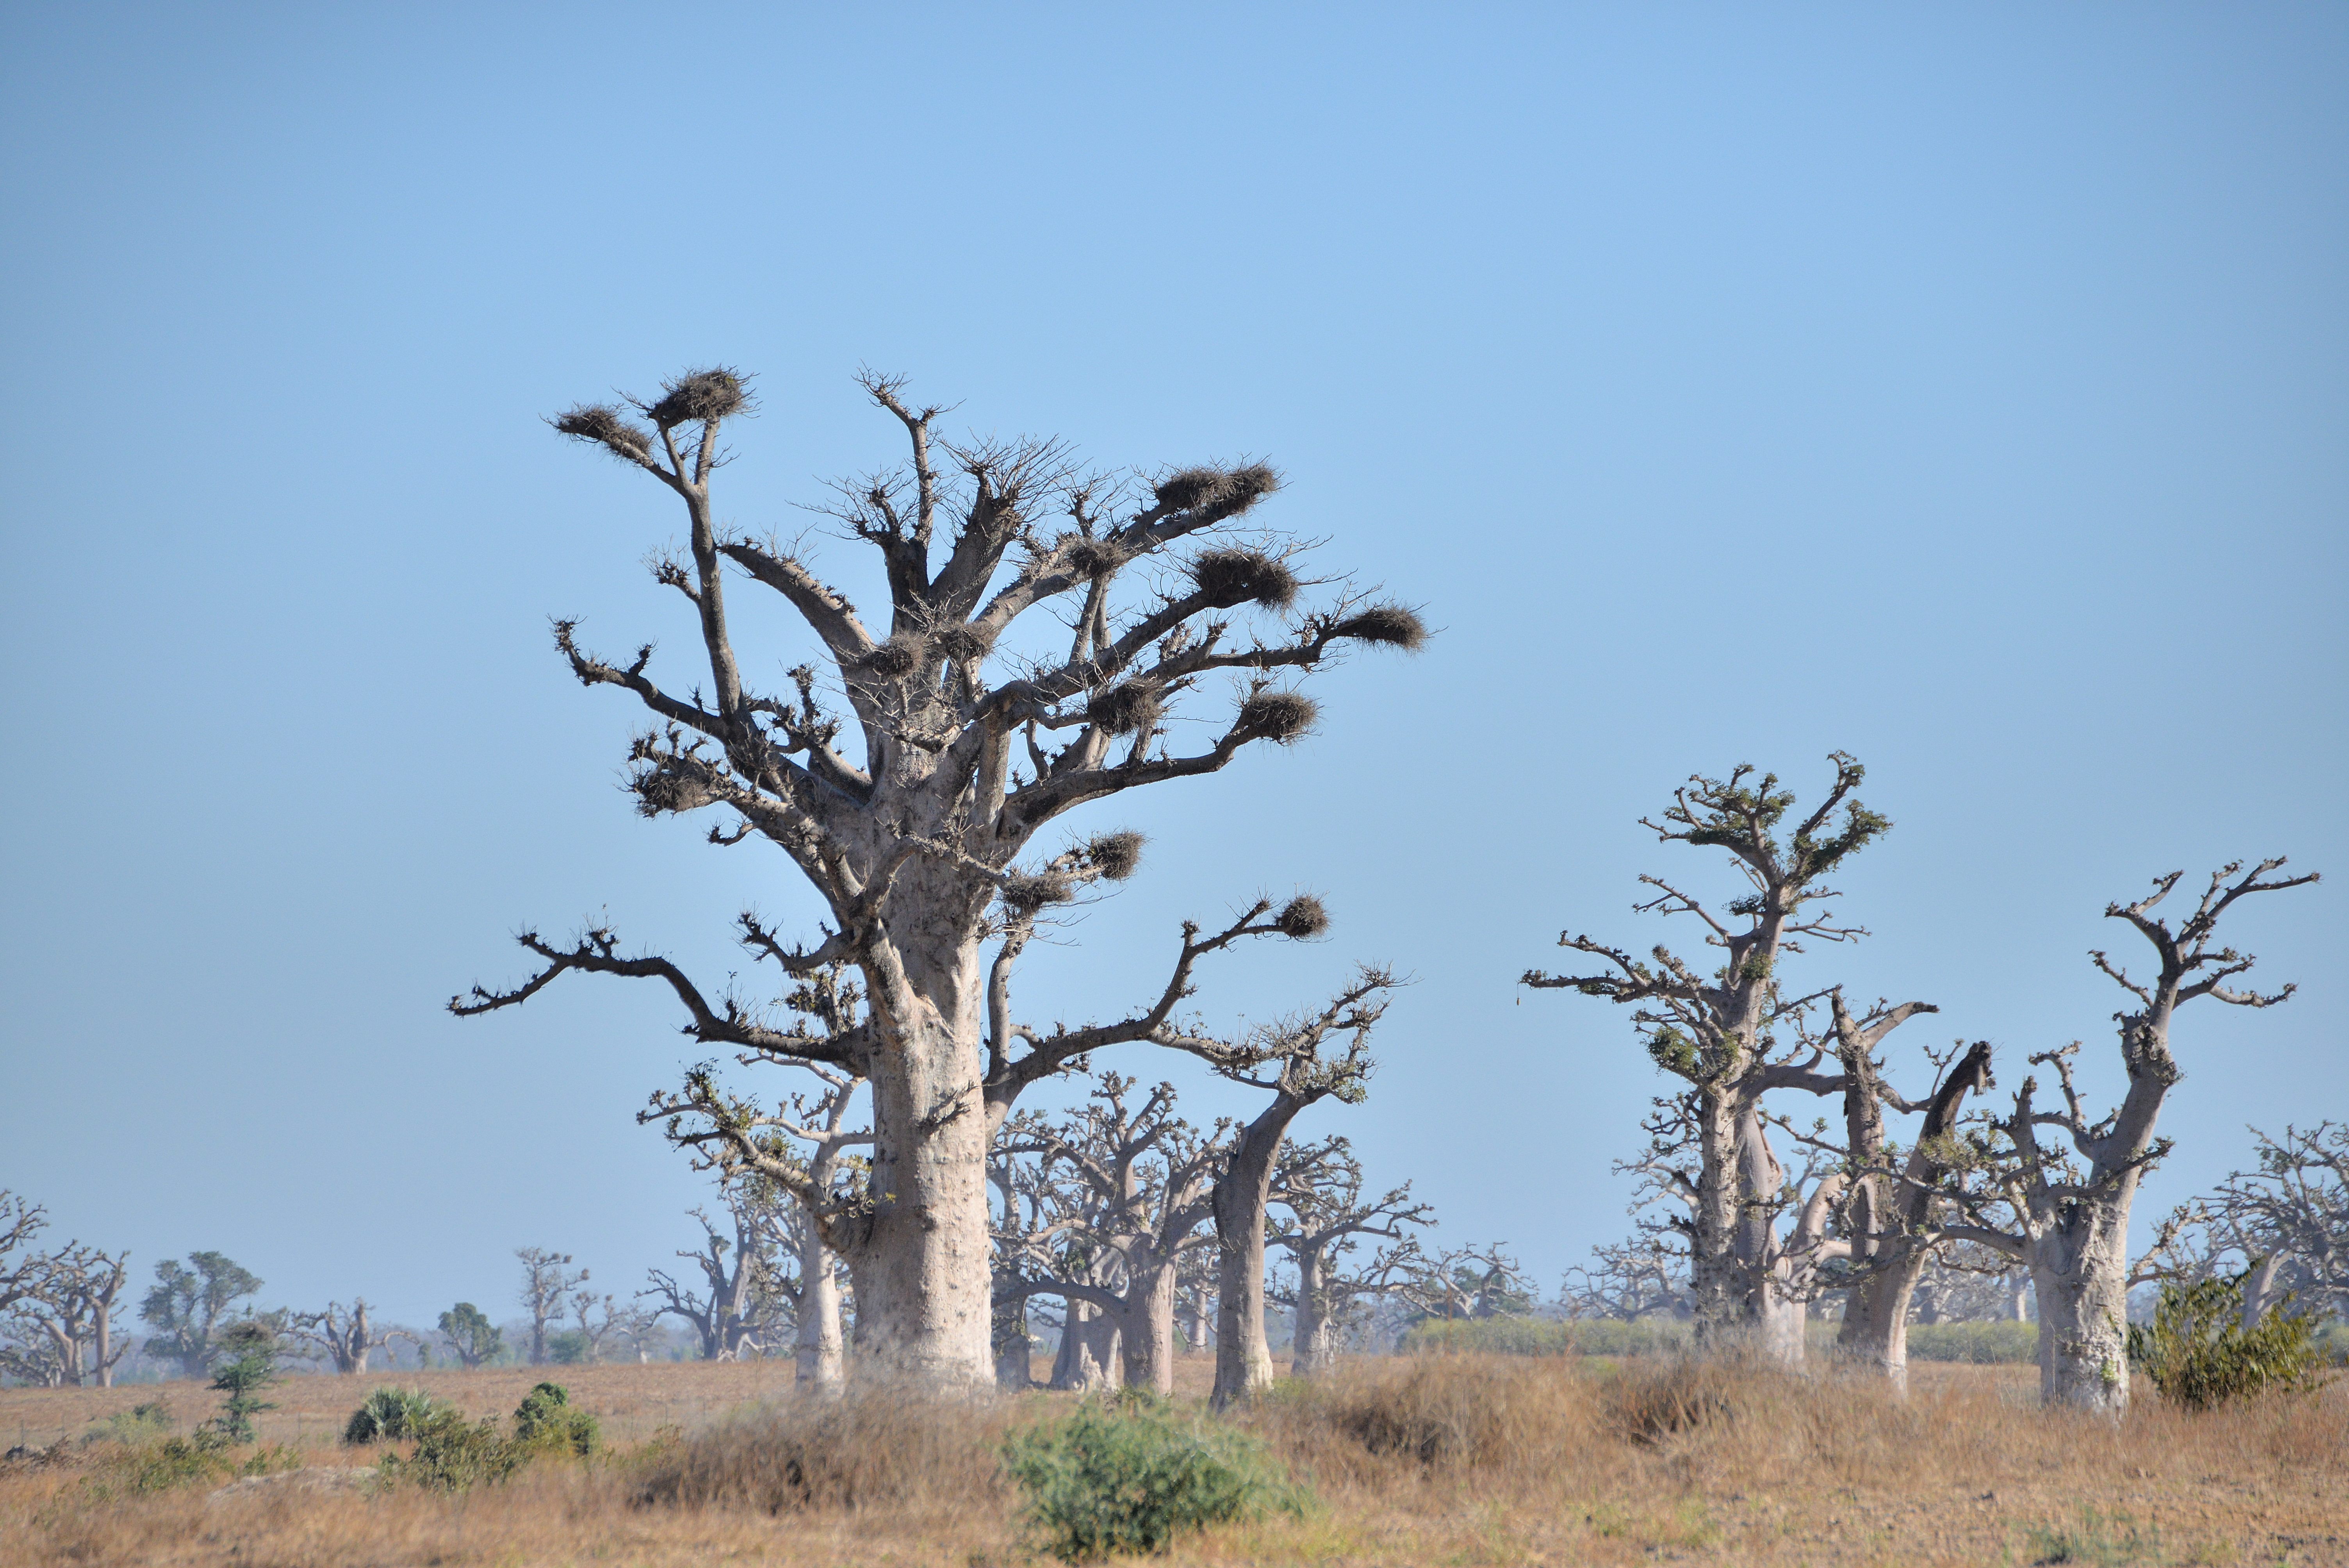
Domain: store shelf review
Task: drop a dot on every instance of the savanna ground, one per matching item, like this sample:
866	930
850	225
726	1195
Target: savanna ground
1423	1460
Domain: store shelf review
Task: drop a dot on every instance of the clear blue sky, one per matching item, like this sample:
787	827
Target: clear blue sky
1961	386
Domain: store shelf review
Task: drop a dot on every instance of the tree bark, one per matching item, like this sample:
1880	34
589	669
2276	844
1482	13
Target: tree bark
2081	1271
1312	1349
822	1352
923	1279
1243	1358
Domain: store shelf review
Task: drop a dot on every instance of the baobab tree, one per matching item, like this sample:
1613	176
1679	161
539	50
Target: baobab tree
1468	1284
60	1332
1329	1217
1718	1030
910	845
547	1282
797	1152
1142	1177
188	1304
344	1335
727	1312
1890	1214
1298	1060
2071	1218
2284	1226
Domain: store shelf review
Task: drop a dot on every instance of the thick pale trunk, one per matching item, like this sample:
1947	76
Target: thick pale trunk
1719	1290
1147	1331
1785	1325
822	1357
2018	1294
1312	1344
1875	1333
923	1296
1198	1320
2080	1269
1243	1359
102	1341
2259	1292
1088	1358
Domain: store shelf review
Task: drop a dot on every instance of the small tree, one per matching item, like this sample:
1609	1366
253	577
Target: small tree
248	1363
2199	1352
475	1340
547	1282
1288	1059
188	1304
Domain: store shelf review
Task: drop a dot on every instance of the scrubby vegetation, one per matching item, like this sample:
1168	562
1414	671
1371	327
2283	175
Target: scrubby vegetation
2198	1353
1134	1477
1410	1459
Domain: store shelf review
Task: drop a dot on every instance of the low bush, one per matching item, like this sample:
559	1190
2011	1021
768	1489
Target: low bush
164	1464
148	1423
1134	1477
453	1454
1649	1402
2198	1353
389	1413
548	1422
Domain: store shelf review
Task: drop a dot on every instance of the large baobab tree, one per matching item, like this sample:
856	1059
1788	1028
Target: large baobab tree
1330	1215
974	736
1141	1178
2070	1216
1719	1029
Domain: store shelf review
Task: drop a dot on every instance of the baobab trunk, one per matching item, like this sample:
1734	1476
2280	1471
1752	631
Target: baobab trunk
1243	1359
1312	1343
2079	1266
1088	1357
1719	1292
1146	1331
1778	1320
923	1281
822	1352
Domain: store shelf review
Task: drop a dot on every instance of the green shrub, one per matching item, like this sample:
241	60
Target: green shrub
389	1413
453	1454
1132	1479
2198	1353
206	1458
547	1422
141	1424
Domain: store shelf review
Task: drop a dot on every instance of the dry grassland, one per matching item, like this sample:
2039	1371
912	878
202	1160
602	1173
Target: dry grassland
1453	1459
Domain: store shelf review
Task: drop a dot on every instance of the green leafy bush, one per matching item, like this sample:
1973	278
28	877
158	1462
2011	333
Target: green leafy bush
389	1413
1131	1478
141	1424
2198	1354
547	1422
453	1454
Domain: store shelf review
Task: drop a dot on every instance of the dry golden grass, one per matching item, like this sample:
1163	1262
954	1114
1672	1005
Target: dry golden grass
1440	1459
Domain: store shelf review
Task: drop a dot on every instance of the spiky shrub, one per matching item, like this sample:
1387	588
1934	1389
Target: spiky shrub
1109	1481
389	1413
547	1422
2198	1354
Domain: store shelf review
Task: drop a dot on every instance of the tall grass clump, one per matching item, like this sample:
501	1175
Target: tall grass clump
2198	1353
871	1446
1544	1336
1133	1477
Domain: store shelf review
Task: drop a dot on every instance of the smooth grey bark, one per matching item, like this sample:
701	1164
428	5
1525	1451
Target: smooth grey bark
1320	1186
1891	1217
913	848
